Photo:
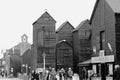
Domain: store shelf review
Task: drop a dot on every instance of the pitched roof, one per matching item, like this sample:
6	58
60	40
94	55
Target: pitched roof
114	4
66	22
80	25
23	47
46	14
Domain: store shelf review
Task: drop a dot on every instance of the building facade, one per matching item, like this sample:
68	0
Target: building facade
117	34
13	62
44	40
64	46
82	42
13	56
105	34
26	62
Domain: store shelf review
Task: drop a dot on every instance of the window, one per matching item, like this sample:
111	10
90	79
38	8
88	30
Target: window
102	40
40	37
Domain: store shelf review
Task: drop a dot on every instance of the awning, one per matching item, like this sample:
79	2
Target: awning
85	63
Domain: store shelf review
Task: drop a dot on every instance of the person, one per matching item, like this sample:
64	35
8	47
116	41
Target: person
90	73
48	73
84	73
57	74
53	74
2	73
37	75
75	76
117	73
5	73
63	73
70	74
33	75
40	75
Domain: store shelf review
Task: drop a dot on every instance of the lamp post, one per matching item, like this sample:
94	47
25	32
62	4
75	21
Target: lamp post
44	55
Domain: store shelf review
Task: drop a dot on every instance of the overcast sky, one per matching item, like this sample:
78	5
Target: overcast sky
17	16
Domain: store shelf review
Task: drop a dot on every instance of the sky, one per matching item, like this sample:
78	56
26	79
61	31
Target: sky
17	16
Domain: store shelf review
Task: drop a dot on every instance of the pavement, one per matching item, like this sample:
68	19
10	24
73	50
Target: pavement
10	79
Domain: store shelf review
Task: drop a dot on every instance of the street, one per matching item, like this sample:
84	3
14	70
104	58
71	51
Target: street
10	79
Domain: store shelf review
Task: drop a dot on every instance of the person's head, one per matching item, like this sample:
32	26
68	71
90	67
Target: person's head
69	69
84	68
58	69
117	66
53	69
50	69
62	68
47	71
33	71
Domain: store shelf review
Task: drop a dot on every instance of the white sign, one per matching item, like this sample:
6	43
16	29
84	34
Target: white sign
103	59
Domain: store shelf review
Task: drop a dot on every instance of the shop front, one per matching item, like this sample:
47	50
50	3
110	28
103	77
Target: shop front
103	67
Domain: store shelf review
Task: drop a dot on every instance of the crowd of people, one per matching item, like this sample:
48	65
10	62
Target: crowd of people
52	74
3	74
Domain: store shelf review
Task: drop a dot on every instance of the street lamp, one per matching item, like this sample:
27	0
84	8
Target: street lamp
44	55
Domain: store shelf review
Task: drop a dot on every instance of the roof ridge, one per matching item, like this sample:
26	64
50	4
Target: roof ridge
62	25
79	26
43	15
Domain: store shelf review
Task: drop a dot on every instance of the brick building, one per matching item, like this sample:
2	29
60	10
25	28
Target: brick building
64	46
105	22
44	40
